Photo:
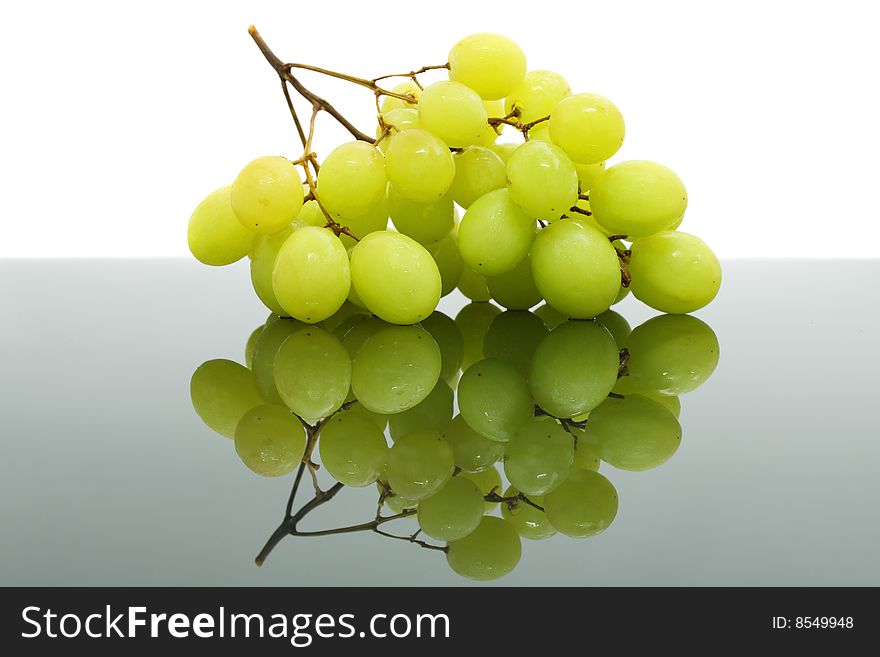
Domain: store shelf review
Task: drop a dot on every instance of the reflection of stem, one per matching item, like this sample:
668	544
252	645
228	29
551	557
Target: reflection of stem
623	367
412	539
512	500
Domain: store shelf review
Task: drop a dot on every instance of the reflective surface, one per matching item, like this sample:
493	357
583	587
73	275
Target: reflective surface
109	477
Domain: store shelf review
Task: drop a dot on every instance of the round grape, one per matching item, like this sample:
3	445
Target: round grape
584	505
453	512
494	399
490	64
353	449
214	234
542	180
495	234
539	456
270	440
491	551
419	165
267	194
419	464
588	127
222	391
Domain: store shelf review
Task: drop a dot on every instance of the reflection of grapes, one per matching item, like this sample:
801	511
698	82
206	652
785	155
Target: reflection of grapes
583	505
491	551
453	512
494	399
270	440
528	521
222	392
419	463
539	457
353	449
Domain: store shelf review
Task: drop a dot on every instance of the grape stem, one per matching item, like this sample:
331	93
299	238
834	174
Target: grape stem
512	500
623	368
578	210
512	119
567	423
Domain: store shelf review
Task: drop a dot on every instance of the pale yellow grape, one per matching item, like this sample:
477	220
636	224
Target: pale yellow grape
373	220
312	373
270	440
390	103
513	337
395	369
353	297
478	171
634	433
495	234
674	272
310	215
528	521
637	198
222	391
214	234
575	268
352	180
453	512
353	449
449	263
473	285
274	333
433	413
265	250
584	505
587	173
504	151
494	109
490	64
251	345
539	457
419	464
395	277
491	551
588	127
540	132
453	112
542	180
311	276
616	325
472	451
473	321
400	119
574	368
537	95
424	222
448	337
267	194
419	165
515	289
488	481
627	385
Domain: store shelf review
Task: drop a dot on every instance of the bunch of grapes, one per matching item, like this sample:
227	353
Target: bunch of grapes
543	219
543	397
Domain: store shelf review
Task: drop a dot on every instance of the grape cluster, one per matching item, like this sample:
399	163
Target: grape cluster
541	398
543	219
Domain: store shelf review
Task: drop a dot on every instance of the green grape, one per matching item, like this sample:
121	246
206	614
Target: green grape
419	464
312	275
352	180
372	221
584	505
267	194
550	316
490	217
674	272
312	373
353	297
541	132
616	325
637	198
504	151
586	453
634	433
390	103
587	173
513	337
494	399
311	214
487	481
395	369
399	119
433	413
270	440
419	165
539	456
542	180
378	419
449	263
588	127
353	449
398	503
222	391
472	284
575	268
357	330
537	95
265	251
473	321
528	521
626	385
448	337
424	222
346	311
494	109
589	220
491	551
671	354
472	451
215	236
453	112
478	171
453	512
250	346
274	333
574	368
515	289
490	64
395	277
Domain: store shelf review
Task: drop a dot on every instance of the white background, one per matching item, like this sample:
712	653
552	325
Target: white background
117	118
